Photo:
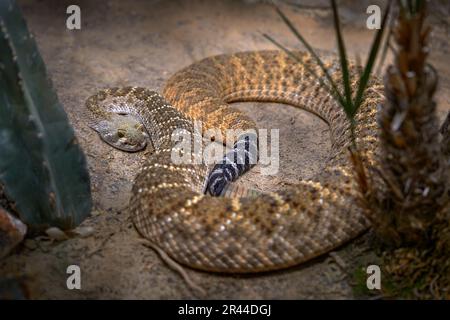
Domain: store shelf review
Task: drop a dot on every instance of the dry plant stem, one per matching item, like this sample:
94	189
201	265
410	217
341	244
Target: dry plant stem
173	265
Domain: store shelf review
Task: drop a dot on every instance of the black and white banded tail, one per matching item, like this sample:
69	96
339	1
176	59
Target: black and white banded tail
234	164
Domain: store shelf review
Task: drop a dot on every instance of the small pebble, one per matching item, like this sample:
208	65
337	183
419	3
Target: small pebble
56	234
85	232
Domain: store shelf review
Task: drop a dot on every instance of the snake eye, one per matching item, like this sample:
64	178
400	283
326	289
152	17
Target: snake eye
120	133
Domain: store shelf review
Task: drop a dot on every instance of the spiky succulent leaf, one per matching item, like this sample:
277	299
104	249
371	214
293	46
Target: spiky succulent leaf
42	167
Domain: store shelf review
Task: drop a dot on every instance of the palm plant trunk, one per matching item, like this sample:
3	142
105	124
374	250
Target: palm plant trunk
413	165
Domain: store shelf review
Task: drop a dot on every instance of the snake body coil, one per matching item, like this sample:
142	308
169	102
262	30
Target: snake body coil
273	230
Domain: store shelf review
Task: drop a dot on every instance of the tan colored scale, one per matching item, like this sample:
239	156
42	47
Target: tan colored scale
249	234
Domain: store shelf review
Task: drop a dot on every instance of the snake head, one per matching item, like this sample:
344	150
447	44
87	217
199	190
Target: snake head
122	132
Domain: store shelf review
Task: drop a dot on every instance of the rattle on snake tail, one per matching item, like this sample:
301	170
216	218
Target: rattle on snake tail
249	234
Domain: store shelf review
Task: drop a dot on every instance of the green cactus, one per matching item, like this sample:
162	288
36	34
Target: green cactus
42	167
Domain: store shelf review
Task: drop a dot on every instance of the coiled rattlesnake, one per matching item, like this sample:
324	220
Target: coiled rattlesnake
270	231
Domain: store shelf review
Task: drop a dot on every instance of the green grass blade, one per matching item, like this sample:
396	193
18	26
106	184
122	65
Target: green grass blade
386	45
370	62
308	47
348	107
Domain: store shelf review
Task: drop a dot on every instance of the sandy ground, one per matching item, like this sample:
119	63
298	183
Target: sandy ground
142	43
